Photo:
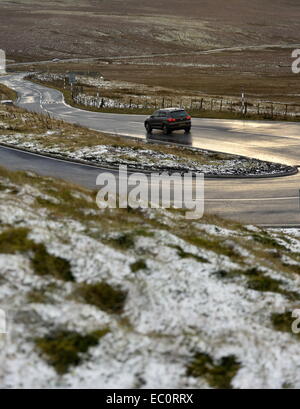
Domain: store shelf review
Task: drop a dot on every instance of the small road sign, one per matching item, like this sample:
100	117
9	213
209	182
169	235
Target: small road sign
72	78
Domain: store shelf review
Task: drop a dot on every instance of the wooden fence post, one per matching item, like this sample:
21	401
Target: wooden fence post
201	104
272	110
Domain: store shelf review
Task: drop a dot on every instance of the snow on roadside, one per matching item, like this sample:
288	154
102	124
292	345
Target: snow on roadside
146	159
176	305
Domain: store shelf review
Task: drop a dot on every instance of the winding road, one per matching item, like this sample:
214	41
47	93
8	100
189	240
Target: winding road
268	202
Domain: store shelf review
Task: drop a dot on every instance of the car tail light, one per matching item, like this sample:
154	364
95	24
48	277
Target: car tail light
188	117
171	120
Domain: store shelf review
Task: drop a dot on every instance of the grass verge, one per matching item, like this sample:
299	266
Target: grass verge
103	296
218	375
15	240
64	349
7	93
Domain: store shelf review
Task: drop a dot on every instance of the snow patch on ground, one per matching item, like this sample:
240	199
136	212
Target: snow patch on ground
175	307
146	159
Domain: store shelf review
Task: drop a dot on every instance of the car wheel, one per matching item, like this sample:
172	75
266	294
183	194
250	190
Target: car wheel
148	127
166	130
187	130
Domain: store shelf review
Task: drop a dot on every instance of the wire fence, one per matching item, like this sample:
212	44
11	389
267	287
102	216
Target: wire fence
266	108
245	105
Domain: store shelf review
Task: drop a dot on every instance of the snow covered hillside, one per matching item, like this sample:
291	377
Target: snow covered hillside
140	298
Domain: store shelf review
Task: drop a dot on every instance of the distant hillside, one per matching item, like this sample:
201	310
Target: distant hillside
133	27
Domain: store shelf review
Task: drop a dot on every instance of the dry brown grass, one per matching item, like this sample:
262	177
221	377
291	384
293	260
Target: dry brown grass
120	34
262	74
135	27
7	93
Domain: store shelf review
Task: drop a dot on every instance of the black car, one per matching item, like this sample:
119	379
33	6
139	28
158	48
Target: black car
169	119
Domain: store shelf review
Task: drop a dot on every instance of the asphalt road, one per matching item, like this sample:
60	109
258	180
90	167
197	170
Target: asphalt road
272	201
268	140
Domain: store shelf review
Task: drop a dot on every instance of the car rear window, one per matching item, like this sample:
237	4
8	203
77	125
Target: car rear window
162	113
179	114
